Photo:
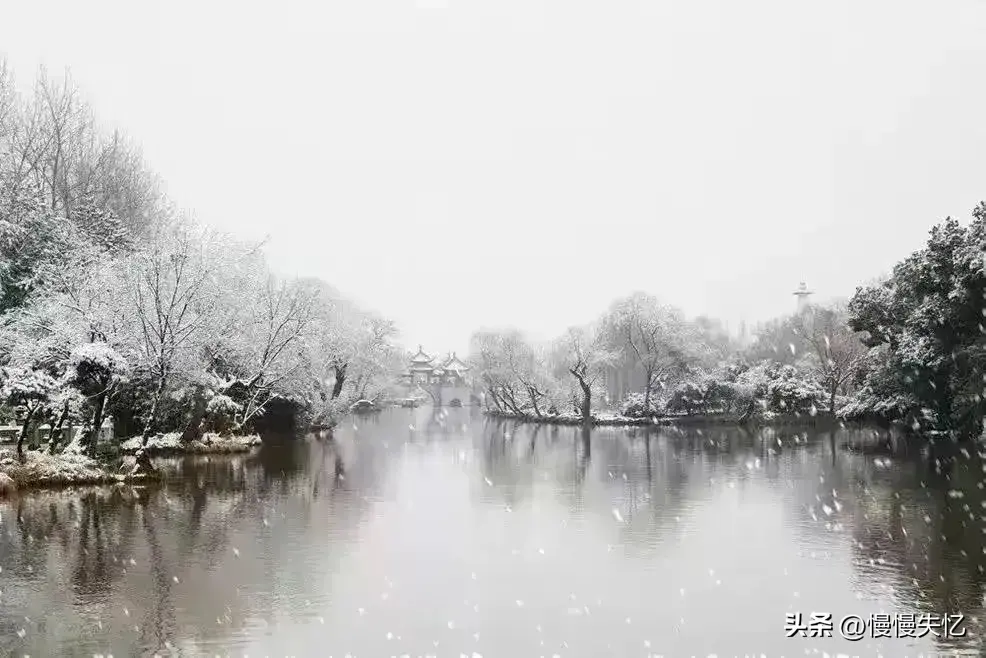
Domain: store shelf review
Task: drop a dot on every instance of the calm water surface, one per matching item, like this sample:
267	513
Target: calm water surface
416	535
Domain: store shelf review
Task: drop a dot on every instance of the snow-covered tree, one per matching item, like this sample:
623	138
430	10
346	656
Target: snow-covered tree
30	390
331	344
515	373
194	327
376	360
56	146
34	242
64	404
96	369
835	352
100	226
276	318
175	295
654	336
348	353
928	315
583	352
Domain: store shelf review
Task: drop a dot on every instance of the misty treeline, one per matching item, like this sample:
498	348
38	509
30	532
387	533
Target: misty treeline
908	349
115	304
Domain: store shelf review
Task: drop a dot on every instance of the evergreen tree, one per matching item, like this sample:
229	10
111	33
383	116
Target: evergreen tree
928	317
100	226
33	241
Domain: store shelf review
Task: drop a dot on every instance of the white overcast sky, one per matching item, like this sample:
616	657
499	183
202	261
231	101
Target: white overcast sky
456	164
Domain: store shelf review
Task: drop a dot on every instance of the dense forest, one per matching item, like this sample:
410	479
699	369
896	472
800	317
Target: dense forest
910	348
116	304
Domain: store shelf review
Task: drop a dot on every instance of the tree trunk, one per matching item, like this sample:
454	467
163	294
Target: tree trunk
508	398
534	400
832	399
152	418
340	380
586	409
649	375
97	424
193	429
495	398
56	429
23	434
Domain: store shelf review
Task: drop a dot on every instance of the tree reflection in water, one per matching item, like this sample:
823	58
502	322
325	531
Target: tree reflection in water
231	549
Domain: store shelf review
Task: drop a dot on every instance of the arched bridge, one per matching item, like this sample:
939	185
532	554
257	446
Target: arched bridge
449	395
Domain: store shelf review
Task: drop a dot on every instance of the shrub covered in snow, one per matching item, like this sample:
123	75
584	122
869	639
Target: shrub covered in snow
781	388
633	406
870	403
777	388
171	443
220	413
688	397
43	469
792	393
718	392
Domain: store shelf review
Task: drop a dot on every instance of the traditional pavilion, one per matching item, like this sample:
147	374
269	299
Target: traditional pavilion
425	369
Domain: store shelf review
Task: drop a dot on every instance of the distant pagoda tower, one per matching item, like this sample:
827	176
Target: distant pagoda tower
802	293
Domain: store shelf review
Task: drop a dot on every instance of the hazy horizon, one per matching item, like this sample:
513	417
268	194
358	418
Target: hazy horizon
456	166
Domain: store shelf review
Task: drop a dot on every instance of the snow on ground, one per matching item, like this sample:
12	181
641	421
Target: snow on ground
42	469
210	444
568	418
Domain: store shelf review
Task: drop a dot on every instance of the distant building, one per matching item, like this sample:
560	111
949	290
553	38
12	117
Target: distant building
424	369
802	293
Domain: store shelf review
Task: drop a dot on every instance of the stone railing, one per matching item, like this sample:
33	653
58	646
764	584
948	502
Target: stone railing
39	434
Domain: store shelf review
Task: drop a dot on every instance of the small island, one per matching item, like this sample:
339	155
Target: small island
905	351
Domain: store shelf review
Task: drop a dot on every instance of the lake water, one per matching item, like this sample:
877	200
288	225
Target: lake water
416	535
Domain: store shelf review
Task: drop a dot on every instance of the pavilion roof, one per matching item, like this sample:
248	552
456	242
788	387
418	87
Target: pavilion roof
453	363
421	357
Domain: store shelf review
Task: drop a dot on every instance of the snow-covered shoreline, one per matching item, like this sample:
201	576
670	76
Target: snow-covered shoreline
572	419
663	421
40	469
171	444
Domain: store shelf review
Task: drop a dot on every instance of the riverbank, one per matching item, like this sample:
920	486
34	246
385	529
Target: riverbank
40	469
604	420
210	444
